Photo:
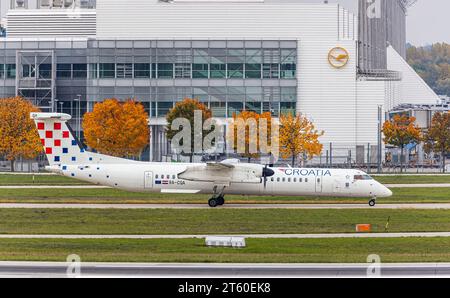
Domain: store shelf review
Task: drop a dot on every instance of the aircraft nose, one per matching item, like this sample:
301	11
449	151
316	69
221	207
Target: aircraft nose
387	192
390	193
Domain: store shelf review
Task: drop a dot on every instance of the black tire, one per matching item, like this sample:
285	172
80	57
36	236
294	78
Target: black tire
372	203
213	203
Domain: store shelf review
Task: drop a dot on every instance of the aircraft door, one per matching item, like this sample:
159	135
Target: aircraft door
319	184
148	180
341	185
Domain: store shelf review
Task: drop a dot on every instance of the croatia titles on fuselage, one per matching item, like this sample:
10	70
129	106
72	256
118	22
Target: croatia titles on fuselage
306	172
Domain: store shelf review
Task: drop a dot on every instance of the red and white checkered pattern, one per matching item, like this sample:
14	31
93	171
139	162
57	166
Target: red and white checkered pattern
59	144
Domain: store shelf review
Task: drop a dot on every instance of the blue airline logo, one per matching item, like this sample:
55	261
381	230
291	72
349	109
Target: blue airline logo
306	172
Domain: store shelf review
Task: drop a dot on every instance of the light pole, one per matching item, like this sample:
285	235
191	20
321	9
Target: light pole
55	106
380	144
61	104
78	99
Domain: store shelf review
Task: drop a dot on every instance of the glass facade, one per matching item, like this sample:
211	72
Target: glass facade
228	76
8	71
107	70
193	71
79	71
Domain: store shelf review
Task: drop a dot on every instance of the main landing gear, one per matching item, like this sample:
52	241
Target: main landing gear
214	202
218	198
373	202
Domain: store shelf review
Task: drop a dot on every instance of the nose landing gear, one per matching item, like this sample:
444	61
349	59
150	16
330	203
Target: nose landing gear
373	202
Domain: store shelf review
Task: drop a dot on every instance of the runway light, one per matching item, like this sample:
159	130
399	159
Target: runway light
236	242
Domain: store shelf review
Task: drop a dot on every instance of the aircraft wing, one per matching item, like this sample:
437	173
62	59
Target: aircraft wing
222	173
219	166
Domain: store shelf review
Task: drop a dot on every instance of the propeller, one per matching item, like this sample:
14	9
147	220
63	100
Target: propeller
267	173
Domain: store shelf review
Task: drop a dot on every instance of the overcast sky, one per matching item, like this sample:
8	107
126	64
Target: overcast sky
428	20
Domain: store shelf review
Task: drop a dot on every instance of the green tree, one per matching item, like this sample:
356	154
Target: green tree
186	109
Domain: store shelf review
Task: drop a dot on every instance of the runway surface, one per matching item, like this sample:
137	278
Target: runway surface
38	269
226	206
447	185
250	236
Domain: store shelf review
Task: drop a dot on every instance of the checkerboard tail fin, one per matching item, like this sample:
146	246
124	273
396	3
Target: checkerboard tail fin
60	144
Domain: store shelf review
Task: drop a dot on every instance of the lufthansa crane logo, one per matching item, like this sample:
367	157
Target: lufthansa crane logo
338	57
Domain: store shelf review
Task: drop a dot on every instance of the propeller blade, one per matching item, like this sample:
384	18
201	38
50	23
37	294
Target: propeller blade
267	173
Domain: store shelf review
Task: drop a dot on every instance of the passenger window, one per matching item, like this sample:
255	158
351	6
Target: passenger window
295	179
300	180
272	179
289	179
318	180
173	177
306	180
284	179
156	176
278	179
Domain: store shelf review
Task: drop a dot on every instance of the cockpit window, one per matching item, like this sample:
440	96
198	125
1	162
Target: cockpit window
363	177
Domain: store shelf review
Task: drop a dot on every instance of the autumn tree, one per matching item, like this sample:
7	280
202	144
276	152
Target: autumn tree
299	137
401	131
18	135
117	128
186	110
437	138
246	130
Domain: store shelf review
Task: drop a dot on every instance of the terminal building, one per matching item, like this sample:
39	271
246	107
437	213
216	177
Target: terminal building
337	66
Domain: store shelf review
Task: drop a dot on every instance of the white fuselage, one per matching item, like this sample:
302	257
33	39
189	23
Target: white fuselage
163	178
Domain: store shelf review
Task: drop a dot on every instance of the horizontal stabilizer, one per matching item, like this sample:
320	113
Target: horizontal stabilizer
48	116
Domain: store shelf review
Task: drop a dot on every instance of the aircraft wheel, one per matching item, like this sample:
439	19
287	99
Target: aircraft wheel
372	203
213	203
221	201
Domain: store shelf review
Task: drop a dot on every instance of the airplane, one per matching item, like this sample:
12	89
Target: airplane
230	177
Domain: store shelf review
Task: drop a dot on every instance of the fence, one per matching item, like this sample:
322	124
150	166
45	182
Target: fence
365	157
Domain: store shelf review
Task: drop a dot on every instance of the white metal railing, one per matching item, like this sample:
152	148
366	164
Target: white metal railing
380	74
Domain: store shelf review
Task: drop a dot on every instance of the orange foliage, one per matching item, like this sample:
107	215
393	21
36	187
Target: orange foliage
401	131
18	135
298	136
116	128
437	138
250	141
